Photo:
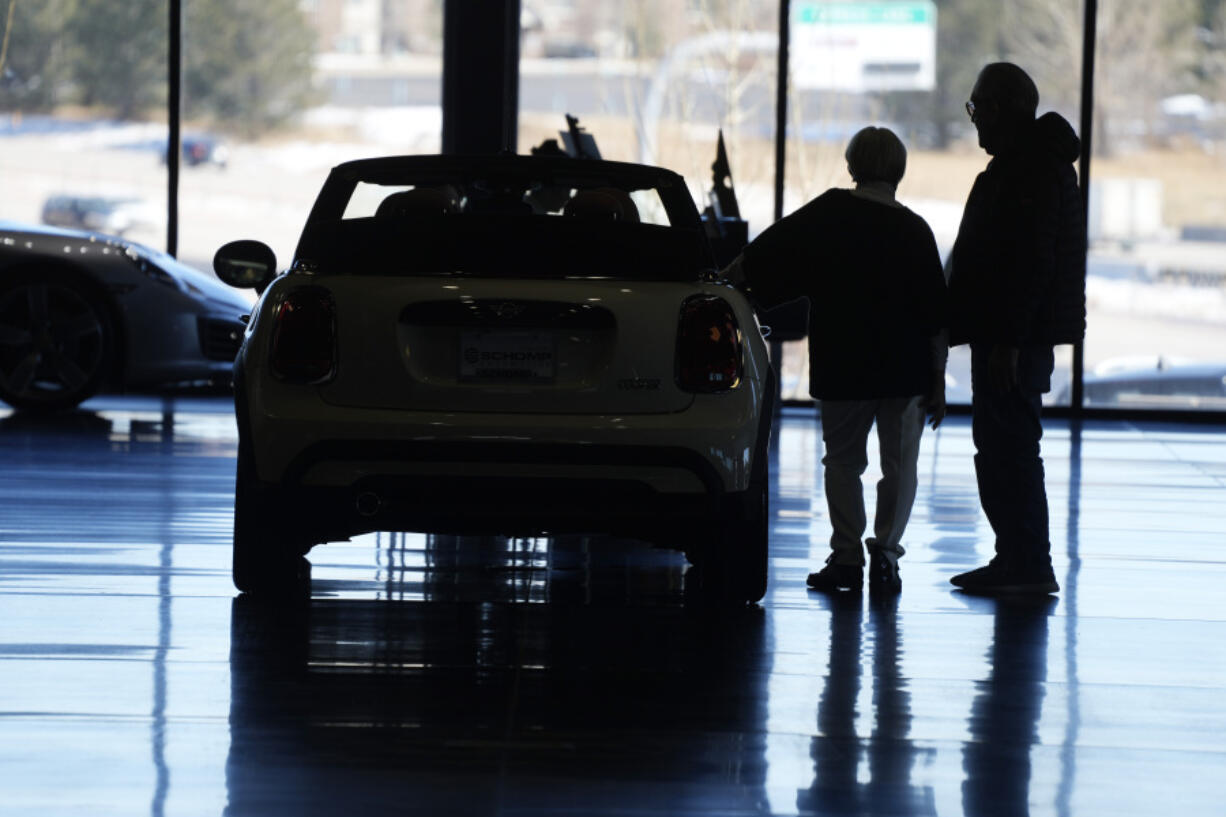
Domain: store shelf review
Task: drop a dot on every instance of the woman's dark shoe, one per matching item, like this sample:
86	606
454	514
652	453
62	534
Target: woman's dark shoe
834	577
883	575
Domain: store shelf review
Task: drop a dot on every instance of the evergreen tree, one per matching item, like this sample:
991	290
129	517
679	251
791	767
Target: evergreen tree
118	54
247	63
35	65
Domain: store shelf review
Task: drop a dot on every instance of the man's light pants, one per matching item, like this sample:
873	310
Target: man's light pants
845	428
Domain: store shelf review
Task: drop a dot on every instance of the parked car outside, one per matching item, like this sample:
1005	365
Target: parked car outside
102	214
82	311
508	345
1155	382
202	149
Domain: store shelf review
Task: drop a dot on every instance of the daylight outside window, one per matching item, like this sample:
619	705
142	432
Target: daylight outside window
276	93
82	121
910	66
657	82
1157	225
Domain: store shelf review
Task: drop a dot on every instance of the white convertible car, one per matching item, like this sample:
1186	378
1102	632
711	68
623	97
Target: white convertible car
515	345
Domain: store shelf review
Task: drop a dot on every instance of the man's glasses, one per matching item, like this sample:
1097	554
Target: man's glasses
970	109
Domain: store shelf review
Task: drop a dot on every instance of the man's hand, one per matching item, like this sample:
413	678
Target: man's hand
934	400
1002	368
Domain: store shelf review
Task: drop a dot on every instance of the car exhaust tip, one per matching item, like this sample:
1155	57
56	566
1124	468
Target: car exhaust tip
368	503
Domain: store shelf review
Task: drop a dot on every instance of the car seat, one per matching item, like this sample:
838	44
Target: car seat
416	203
610	203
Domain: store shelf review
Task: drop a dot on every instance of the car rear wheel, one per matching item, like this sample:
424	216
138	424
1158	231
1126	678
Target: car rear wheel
268	558
753	532
732	560
57	342
732	566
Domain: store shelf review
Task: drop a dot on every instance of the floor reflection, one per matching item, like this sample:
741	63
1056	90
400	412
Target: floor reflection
869	775
1072	618
477	699
77	421
484	675
1004	718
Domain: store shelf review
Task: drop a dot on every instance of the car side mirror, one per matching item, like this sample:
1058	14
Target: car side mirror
246	264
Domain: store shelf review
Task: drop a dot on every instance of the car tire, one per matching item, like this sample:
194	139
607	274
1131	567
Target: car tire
755	520
732	560
267	561
732	568
753	545
57	341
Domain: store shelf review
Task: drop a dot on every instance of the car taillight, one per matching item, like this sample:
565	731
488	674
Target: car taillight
709	357
304	337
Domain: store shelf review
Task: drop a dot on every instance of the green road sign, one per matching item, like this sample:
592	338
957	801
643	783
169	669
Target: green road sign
901	13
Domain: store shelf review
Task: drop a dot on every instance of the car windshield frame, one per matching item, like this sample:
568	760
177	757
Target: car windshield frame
326	226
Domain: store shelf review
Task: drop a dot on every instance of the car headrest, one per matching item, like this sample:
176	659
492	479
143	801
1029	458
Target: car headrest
607	203
415	203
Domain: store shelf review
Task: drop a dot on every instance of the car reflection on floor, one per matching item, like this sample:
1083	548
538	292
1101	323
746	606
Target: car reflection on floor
460	706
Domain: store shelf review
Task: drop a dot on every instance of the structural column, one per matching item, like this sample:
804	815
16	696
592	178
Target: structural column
480	76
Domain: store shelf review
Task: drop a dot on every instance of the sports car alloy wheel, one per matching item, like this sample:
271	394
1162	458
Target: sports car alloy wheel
55	343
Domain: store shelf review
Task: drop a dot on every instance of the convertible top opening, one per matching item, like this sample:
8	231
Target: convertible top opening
525	246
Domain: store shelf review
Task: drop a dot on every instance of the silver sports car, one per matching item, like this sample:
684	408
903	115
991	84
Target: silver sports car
83	311
512	344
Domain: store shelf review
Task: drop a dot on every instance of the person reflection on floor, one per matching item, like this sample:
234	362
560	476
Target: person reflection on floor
837	750
1004	719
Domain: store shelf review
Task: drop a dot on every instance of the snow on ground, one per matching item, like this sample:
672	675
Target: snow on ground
1157	300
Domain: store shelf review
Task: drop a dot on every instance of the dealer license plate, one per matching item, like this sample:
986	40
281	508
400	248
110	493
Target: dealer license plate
508	356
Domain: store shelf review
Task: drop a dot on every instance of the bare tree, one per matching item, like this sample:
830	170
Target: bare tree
1145	50
709	67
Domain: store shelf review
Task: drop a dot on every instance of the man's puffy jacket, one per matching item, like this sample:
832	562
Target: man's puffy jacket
1019	263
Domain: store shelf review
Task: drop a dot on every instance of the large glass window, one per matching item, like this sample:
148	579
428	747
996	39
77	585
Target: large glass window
656	82
277	93
909	65
83	115
1157	266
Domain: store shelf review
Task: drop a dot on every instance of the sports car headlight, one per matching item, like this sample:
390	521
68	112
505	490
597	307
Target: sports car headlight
709	349
304	336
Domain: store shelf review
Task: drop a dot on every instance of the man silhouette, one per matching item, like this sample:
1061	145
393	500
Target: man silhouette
1017	288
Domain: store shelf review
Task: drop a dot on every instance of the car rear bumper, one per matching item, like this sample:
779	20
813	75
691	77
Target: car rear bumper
354	470
464	504
299	439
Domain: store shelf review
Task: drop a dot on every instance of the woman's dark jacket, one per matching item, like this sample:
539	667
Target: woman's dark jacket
1019	264
876	292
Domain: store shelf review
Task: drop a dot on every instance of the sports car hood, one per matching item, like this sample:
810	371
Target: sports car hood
201	283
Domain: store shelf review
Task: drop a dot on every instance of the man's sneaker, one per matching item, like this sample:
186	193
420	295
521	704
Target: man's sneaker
836	577
883	575
997	576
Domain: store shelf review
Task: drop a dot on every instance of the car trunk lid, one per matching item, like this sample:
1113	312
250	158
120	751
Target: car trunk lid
482	345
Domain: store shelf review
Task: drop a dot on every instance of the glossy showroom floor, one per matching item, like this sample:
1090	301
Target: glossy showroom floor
449	676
